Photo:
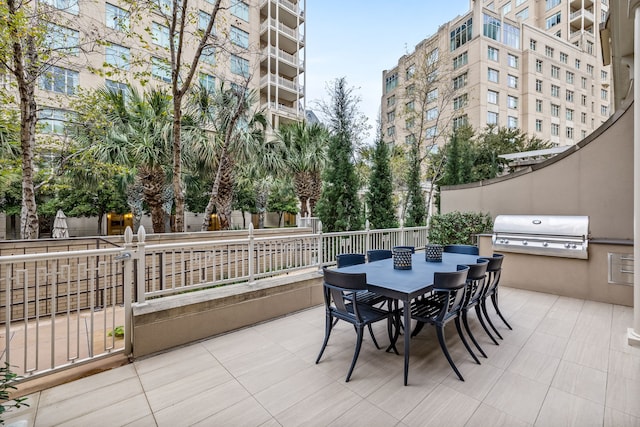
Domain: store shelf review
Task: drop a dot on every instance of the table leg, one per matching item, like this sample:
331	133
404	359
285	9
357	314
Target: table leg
407	337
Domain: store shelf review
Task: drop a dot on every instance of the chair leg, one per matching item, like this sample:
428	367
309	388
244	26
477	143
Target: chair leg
464	340
373	337
465	322
417	329
494	300
484	326
327	331
355	355
392	322
443	346
483	305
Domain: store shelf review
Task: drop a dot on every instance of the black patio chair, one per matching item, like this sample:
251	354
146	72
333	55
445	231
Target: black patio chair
345	260
494	269
379	254
441	306
462	249
339	291
476	287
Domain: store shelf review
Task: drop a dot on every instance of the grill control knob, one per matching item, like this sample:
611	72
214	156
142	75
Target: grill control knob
545	244
567	245
524	242
573	246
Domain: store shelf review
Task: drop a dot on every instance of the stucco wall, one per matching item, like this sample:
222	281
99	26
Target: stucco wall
595	178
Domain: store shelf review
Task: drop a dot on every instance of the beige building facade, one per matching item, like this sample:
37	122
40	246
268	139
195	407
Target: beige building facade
531	65
259	41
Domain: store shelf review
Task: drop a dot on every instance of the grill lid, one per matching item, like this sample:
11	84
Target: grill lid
543	225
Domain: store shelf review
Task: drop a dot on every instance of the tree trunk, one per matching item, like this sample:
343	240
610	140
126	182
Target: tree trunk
177	165
100	218
316	191
152	188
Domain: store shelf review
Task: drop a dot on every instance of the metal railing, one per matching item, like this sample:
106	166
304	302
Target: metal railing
61	308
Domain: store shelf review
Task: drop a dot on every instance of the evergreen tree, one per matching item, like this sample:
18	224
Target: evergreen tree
339	207
416	210
379	198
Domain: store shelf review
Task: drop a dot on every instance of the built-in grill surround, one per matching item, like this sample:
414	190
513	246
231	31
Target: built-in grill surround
549	235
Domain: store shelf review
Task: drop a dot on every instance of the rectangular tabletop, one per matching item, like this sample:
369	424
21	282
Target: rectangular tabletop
405	285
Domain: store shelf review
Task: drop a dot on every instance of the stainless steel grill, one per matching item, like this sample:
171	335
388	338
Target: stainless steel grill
551	235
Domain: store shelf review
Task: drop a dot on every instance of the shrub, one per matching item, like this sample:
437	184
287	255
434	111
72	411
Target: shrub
458	227
7	379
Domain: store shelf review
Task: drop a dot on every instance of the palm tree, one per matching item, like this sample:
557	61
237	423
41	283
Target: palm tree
235	135
140	136
304	153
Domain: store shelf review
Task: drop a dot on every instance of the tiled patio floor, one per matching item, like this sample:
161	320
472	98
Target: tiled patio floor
566	363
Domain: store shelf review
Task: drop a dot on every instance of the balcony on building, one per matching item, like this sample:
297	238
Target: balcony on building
289	39
288	90
289	13
287	65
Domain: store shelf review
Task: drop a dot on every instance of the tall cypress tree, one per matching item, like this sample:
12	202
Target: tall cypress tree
416	209
381	212
339	206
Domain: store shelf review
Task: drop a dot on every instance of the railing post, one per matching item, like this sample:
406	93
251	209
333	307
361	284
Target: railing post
367	243
401	232
251	249
320	255
141	263
127	277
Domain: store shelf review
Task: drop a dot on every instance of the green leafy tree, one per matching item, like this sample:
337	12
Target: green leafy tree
381	213
339	206
458	227
282	199
416	214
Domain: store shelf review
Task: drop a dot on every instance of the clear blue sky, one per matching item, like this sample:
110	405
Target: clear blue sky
358	39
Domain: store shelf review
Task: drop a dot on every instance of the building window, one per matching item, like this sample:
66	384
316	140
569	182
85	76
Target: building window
564	58
492	118
493	75
548	50
550	4
410	90
117	56
583	100
539	65
553	20
569	114
511	36
512	102
391	101
239	37
555	91
590	69
461	35
538	125
538	85
555	129
512	60
512	122
207	81
460	81
604	110
604	75
569	95
538	105
492	97
240	10
391	82
460	121
577	64
410	106
69	6
583	134
523	14
410	71
409	123
62	39
512	81
570	77
160	69
583	118
555	110
460	60
555	72
533	44
460	101
492	53
116	18
583	82
160	35
432	95
208	55
431	132
391	116
239	66
58	79
506	8
391	131
491	27
116	86
52	120
410	139
569	132
432	113
589	47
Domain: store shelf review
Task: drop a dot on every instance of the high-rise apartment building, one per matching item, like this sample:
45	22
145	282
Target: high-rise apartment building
259	41
535	65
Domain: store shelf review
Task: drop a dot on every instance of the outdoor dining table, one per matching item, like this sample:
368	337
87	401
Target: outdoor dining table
405	285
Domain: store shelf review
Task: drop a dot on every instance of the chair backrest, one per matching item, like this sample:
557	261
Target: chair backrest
345	260
337	286
462	249
476	281
494	269
378	254
413	248
450	286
